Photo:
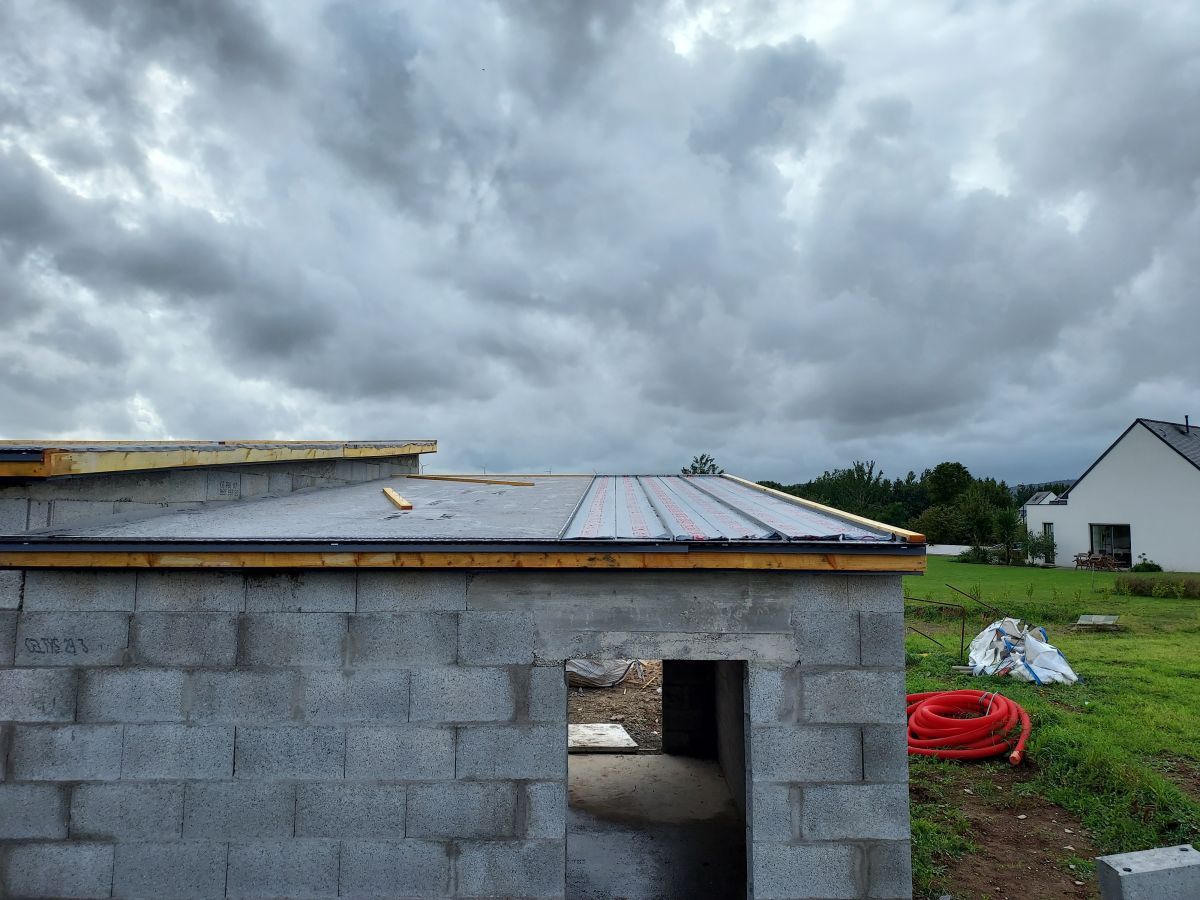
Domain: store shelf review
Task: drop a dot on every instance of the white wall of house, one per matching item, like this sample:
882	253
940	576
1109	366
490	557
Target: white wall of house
1142	483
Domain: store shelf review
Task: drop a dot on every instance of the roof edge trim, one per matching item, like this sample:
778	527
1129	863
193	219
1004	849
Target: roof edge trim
912	537
907	564
55	462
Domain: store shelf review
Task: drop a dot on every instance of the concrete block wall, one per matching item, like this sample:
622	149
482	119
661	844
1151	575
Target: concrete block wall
404	733
88	499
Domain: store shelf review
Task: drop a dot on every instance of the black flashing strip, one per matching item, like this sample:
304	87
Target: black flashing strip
16	544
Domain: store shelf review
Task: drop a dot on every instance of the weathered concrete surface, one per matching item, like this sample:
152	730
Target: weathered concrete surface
174	733
1164	873
652	826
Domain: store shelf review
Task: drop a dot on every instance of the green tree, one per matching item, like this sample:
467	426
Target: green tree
978	514
703	465
1007	527
941	525
946	482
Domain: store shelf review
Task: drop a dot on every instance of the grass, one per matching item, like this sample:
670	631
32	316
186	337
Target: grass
1120	750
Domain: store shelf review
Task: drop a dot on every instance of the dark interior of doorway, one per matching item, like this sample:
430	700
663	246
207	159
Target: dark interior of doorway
669	824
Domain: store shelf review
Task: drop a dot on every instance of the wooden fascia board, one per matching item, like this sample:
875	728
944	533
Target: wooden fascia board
791	562
83	462
912	537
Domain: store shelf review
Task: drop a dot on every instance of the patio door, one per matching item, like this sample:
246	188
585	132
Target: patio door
1113	540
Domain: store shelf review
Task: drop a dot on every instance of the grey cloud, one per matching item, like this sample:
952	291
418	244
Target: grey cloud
535	231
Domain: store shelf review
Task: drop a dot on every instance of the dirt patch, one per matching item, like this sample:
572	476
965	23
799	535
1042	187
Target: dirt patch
634	703
1182	772
1016	857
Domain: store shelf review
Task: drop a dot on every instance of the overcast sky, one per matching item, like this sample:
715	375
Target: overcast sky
604	235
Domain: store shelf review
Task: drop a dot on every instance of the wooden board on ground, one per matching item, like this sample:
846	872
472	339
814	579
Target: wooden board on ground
599	738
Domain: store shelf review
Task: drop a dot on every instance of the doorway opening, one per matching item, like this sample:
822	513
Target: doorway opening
667	821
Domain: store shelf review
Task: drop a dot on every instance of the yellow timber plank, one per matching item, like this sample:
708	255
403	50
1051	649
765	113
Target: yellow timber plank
83	462
471	479
910	536
791	562
397	499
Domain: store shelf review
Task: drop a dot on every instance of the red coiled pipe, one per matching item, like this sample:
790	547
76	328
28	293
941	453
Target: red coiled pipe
966	725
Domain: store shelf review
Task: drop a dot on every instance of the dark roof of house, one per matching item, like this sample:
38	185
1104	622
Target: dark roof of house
1038	498
1180	437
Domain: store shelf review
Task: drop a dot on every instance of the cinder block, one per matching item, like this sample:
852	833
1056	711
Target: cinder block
512	751
398	640
162	752
254	485
1163	873
308	592
497	638
39	514
58	870
881	641
12	582
787	871
854	696
130	695
400	754
293	639
66	753
774	695
193	869
307	752
548	694
825	636
873	593
279	483
191	640
885	753
462	694
350	811
411	591
14	516
223	485
545	810
65	589
291	868
517	869
8	636
462	809
332	697
397	868
835	812
32	811
72	638
889	871
239	696
79	512
191	592
126	812
772	811
805	753
225	811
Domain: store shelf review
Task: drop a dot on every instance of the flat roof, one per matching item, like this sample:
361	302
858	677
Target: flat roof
543	521
50	459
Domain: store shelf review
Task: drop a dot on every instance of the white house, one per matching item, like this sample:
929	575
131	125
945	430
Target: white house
1141	496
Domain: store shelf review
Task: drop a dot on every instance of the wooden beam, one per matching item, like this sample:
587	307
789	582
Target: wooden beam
232	559
472	479
397	499
911	537
56	462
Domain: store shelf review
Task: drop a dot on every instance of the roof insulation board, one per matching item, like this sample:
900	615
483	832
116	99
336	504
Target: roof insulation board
554	509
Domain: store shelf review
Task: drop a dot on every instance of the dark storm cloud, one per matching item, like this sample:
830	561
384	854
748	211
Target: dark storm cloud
602	235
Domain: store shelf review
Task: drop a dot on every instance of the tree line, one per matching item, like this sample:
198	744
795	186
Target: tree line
947	503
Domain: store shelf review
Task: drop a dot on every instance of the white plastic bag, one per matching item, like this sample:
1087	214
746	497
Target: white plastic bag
1011	647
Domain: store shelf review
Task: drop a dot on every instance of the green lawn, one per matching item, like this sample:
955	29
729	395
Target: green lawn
1120	750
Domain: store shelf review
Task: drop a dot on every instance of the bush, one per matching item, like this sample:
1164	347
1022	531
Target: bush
975	555
1146	565
1139	586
